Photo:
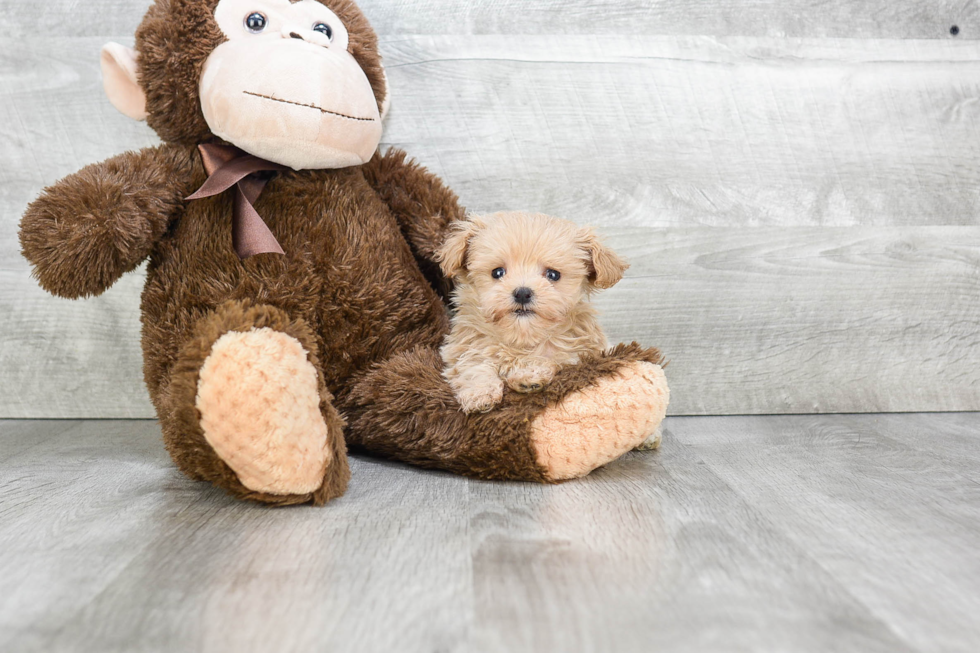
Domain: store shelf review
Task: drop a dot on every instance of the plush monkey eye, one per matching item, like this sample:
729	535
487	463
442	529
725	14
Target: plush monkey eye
498	273
553	275
255	22
324	29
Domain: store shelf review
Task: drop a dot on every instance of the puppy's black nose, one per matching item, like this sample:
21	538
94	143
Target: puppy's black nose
523	296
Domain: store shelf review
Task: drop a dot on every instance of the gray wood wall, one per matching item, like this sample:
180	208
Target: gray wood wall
797	184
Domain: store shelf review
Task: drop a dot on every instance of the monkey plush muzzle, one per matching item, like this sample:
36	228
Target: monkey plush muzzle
291	101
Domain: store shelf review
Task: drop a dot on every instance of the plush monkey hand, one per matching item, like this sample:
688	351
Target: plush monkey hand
90	228
423	205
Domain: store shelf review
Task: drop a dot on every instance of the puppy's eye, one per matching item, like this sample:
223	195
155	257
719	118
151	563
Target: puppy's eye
255	22
324	29
498	273
553	275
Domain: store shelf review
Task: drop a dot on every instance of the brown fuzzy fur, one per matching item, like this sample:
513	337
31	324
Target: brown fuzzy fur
357	286
182	432
409	190
119	210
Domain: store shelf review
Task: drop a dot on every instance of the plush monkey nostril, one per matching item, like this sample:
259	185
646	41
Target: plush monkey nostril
295	35
523	296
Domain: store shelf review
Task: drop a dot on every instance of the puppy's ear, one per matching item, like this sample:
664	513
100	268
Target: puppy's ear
451	257
606	267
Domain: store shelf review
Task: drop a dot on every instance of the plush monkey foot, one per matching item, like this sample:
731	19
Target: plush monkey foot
601	422
588	415
256	418
260	411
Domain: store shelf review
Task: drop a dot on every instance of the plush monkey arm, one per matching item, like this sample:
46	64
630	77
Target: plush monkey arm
90	228
422	204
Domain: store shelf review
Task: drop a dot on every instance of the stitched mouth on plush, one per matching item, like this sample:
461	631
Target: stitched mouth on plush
308	106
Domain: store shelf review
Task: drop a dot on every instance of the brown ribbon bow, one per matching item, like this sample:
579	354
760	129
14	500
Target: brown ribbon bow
229	166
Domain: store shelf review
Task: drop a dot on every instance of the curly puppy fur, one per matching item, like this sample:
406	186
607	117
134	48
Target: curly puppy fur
523	283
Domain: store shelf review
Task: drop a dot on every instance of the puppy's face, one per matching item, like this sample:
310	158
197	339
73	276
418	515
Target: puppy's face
526	272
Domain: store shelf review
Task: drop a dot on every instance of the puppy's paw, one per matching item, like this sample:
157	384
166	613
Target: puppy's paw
529	379
528	388
526	385
480	399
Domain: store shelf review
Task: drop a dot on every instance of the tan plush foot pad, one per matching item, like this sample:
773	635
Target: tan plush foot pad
260	411
598	424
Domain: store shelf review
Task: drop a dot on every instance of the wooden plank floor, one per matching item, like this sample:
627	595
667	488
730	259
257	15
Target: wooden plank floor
789	533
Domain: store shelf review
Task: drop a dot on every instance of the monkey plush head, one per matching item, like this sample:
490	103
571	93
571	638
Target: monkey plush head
299	83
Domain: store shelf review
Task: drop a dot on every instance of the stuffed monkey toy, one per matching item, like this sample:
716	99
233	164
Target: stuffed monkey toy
293	307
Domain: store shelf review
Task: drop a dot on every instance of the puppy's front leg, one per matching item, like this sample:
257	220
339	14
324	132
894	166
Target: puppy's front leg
478	388
530	376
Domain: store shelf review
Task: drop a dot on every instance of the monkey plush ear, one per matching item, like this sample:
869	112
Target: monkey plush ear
387	101
120	81
606	267
452	255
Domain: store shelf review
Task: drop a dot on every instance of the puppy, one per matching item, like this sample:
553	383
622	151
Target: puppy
523	283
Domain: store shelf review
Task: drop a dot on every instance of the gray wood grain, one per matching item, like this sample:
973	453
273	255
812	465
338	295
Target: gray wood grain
101	485
654	552
805	320
834	18
629	134
682	131
62	358
959	451
19	436
893	519
816	533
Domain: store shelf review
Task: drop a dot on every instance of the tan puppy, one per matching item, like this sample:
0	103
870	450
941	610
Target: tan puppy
523	283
